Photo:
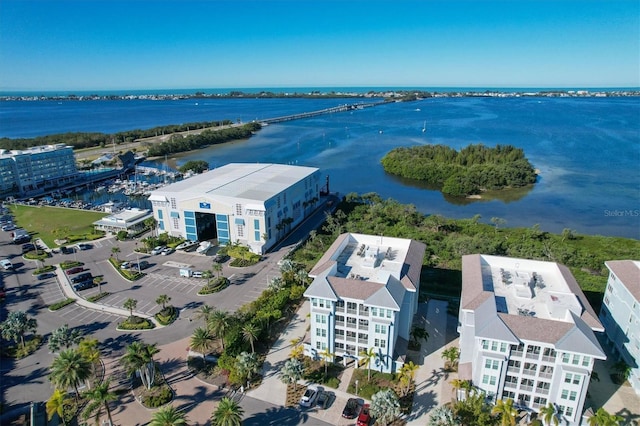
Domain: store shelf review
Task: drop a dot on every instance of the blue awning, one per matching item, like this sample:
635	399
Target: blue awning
174	214
239	221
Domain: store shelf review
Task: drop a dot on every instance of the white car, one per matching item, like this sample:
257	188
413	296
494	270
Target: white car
310	396
9	227
158	249
6	264
125	265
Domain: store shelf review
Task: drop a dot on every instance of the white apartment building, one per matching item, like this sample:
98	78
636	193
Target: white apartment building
253	204
36	169
364	295
527	333
620	314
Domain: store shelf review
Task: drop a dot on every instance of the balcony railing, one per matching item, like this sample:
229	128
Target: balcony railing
351	325
339	323
529	372
532	355
351	339
546	358
526	388
363	341
513	369
516	354
363	327
511	385
352	311
542	391
546	375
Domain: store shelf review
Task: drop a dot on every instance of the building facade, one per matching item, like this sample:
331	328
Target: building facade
252	204
36	169
620	314
527	333
363	296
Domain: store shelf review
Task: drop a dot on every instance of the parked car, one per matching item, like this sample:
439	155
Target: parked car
158	249
28	247
6	264
324	399
66	250
143	264
196	274
85	276
74	270
310	396
45	275
351	409
364	418
84	285
125	265
167	250
83	246
8	227
221	258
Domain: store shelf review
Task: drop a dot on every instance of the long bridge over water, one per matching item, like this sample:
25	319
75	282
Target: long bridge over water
339	108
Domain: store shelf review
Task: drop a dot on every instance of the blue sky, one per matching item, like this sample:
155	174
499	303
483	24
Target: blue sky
102	45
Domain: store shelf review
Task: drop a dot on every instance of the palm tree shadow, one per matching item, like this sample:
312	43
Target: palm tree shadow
277	416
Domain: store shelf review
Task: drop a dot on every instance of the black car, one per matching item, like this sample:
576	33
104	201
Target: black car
351	409
85	276
143	264
22	240
220	258
66	250
84	285
28	247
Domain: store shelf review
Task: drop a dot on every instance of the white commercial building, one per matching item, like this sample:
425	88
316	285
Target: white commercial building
36	169
252	204
527	333
620	314
124	220
364	295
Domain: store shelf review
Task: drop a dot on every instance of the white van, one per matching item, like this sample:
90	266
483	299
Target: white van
185	273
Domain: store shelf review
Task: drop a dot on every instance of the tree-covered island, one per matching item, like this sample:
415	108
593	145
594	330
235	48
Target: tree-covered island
471	170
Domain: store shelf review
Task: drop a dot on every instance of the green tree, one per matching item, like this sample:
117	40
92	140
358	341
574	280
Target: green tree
549	415
151	223
196	166
219	323
63	337
168	416
99	398
408	371
88	348
163	299
139	358
250	334
69	369
228	413
202	340
115	250
622	370
292	371
474	410
367	359
459	384
327	357
204	312
217	267
56	405
418	333
247	365
442	416
505	411
16	326
451	355
603	418
385	406
130	304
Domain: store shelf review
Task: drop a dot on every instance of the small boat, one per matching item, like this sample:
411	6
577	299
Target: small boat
424	126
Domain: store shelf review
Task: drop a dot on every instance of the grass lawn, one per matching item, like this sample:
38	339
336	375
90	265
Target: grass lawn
42	221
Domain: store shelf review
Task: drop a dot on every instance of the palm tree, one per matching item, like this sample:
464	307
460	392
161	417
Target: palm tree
218	323
408	371
302	275
89	350
506	412
98	280
327	356
56	404
163	299
17	325
228	413
63	337
622	370
168	416
368	355
151	223
250	334
451	355
202	340
217	268
130	304
292	371
115	250
418	333
548	414
603	418
99	398
459	384
139	358
69	369
204	312
247	365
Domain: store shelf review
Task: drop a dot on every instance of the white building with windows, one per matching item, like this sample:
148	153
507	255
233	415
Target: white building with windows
527	333
620	314
36	169
364	295
253	204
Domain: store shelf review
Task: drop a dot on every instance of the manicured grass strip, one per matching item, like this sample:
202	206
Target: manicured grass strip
61	304
98	296
47	222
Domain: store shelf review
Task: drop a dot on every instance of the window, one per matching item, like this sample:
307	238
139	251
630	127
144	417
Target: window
564	394
381	329
503	347
239	209
572	395
511	379
321	319
321	332
565	358
380	343
576	360
485	345
540	400
240	230
494	346
339	333
568	411
508	394
586	361
176	223
550	352
492	364
174	205
543	386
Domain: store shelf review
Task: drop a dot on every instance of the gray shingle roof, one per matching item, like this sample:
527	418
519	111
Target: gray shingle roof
628	273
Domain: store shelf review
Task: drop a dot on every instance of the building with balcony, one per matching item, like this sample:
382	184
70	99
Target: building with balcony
620	314
36	169
527	333
364	295
253	204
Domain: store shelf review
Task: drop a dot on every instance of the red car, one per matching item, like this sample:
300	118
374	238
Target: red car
364	418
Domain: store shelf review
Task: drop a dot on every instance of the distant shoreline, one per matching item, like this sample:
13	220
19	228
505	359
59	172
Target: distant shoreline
387	94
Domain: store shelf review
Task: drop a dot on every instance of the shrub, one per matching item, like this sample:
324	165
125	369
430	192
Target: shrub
70	264
214	286
136	323
61	304
167	315
158	396
122	235
98	296
44	269
39	255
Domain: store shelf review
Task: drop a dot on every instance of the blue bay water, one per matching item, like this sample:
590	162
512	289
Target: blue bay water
587	149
